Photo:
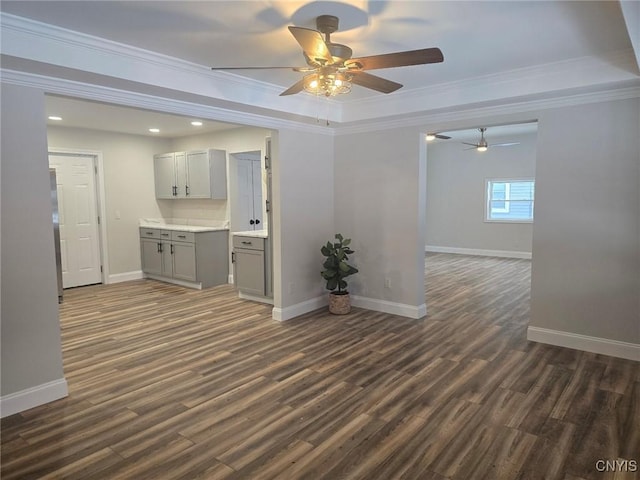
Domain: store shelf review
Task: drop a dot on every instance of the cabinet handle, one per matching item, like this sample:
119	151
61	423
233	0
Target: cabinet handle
246	243
149	233
257	222
175	190
182	236
171	249
251	222
159	248
233	257
186	190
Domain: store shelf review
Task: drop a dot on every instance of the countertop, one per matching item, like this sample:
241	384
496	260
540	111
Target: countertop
253	233
182	228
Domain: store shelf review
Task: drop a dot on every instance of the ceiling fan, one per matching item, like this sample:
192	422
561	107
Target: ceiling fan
482	144
433	136
330	70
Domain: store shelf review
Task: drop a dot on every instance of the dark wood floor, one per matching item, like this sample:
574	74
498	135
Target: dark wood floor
167	382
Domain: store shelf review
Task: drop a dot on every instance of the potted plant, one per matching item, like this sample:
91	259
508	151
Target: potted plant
336	269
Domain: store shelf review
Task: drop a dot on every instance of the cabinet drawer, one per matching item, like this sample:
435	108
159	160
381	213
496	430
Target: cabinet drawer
165	234
183	236
250	243
149	233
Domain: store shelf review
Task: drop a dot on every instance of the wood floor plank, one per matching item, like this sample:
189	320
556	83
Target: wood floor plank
167	382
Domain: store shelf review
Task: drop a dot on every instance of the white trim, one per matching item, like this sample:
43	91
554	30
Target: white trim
603	346
33	397
402	309
125	277
431	120
86	91
478	251
287	313
255	298
230	279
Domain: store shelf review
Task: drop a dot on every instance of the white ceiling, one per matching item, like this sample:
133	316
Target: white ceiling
478	39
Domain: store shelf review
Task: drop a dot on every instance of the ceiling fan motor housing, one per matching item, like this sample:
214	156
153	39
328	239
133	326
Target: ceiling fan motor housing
327	24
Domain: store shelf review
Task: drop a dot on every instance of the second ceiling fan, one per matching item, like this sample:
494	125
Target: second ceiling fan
330	70
483	146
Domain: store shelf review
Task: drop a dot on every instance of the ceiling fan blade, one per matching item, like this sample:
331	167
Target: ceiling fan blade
374	83
503	144
312	44
295	88
442	137
295	69
398	59
475	145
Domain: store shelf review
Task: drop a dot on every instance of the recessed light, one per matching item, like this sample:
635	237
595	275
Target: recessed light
154	130
196	124
53	117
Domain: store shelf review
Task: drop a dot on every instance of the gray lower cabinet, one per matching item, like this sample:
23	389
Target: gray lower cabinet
249	272
200	258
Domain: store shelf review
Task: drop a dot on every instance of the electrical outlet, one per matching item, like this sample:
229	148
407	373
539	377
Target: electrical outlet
387	282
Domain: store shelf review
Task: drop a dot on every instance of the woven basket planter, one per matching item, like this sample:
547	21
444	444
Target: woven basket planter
339	304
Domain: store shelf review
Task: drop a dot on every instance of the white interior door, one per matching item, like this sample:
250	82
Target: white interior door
249	206
78	214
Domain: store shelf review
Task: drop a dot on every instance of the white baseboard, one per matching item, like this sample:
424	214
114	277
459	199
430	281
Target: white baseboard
255	298
478	251
410	311
125	277
287	313
603	346
33	397
404	310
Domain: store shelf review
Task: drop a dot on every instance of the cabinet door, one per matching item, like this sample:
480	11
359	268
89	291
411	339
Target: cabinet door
167	258
249	271
181	175
199	174
184	261
165	176
151	256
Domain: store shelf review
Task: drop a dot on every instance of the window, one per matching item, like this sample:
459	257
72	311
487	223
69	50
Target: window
510	200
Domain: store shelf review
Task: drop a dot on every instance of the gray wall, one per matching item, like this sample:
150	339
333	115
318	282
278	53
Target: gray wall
380	180
586	240
303	213
31	349
456	194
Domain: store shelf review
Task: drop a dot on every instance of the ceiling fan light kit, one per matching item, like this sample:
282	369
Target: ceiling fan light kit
331	71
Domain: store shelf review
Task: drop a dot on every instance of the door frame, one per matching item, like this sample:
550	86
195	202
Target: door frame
100	200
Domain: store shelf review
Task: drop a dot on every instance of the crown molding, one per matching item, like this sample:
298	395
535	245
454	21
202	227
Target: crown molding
28	39
469	112
584	72
166	105
37	41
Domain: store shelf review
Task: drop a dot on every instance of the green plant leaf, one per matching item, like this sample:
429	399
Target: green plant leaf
346	242
344	266
325	251
342	285
332	284
339	236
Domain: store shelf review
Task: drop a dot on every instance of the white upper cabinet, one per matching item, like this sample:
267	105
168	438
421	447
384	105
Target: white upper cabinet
196	174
